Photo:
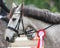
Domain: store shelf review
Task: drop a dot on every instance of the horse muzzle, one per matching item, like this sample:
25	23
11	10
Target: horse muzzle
11	40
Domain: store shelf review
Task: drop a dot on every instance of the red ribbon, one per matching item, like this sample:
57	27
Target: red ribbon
38	46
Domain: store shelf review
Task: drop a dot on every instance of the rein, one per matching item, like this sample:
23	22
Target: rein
48	27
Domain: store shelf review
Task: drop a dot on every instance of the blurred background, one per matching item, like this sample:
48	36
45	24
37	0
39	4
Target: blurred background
52	5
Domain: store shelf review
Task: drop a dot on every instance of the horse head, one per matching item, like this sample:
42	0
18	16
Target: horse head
15	28
13	19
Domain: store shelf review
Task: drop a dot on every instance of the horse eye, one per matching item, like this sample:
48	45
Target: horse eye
13	19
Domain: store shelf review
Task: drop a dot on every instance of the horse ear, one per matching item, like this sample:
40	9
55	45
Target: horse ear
13	5
18	9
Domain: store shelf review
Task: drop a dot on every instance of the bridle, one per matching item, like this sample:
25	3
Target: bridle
17	26
21	19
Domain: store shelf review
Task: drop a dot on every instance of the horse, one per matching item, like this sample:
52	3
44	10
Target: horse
11	33
52	39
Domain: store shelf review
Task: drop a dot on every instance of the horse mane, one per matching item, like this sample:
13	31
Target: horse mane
42	14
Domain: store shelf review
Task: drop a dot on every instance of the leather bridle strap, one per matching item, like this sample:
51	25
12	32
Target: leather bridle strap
22	17
13	29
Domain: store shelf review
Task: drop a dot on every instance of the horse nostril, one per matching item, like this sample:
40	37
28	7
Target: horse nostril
7	39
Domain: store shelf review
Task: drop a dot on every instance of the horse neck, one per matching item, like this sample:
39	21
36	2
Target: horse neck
40	24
